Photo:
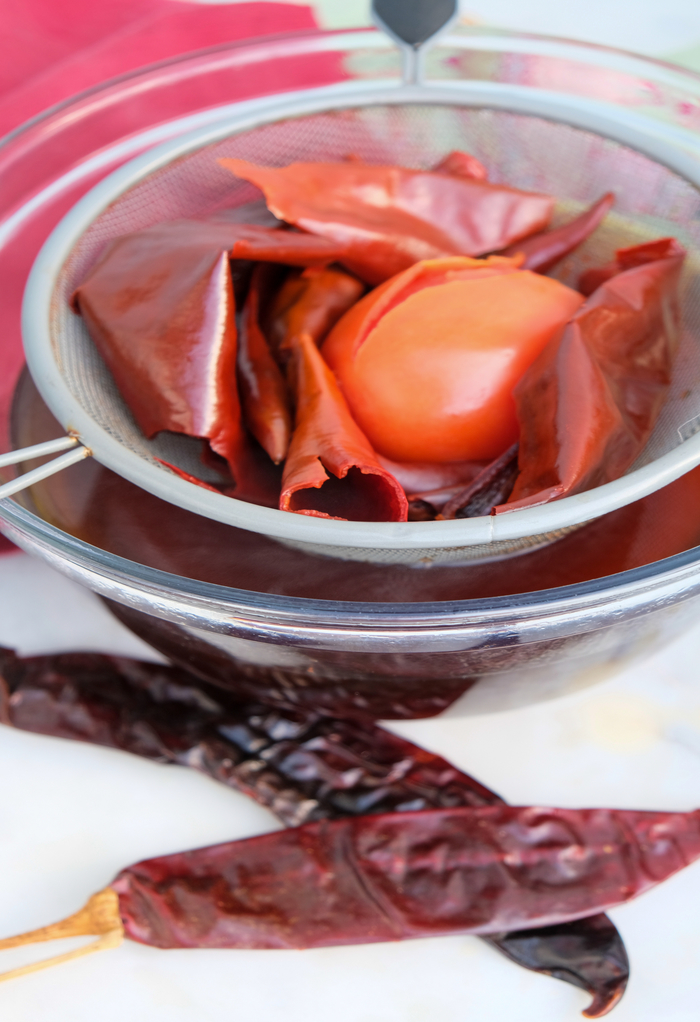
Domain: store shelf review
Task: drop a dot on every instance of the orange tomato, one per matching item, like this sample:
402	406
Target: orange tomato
428	360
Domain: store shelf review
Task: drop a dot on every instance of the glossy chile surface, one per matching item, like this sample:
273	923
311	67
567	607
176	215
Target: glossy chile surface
398	876
160	306
392	217
166	325
114	515
463	331
264	394
587	405
300	765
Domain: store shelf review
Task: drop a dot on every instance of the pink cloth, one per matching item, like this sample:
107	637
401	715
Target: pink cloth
52	49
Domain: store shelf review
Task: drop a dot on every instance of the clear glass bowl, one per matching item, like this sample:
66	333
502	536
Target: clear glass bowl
368	659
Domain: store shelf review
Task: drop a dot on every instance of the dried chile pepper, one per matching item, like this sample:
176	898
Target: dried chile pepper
400	876
586	952
461	164
160	307
463	331
392	217
326	439
301	766
263	391
588	404
543	251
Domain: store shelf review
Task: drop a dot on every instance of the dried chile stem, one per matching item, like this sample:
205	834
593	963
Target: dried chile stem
99	917
492	486
301	766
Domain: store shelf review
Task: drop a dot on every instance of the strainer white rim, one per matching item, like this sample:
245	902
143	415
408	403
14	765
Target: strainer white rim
667	144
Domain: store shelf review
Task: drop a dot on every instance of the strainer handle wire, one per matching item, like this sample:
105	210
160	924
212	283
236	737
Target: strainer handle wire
75	452
414	25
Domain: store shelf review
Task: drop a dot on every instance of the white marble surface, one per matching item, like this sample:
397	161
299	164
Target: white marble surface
71	816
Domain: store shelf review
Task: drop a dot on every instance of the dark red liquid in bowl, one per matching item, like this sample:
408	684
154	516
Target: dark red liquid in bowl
103	509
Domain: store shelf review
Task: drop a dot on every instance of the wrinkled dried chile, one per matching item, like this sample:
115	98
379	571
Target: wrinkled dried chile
400	876
587	953
301	766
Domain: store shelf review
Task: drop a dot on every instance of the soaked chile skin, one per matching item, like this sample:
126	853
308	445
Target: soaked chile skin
263	391
100	507
589	402
399	876
160	307
542	251
448	403
326	437
392	217
461	164
491	487
302	766
627	259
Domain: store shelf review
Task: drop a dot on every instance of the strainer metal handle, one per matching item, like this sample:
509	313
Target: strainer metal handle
75	452
414	24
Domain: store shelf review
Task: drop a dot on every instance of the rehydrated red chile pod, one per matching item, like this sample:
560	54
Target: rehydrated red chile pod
310	302
263	391
159	305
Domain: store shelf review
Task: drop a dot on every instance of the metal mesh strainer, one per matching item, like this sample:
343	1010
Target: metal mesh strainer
414	126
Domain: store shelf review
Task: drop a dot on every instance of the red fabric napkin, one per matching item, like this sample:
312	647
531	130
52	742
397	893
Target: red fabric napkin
52	49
